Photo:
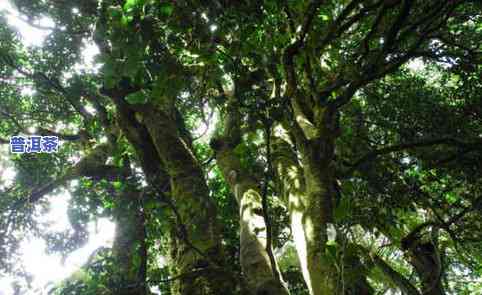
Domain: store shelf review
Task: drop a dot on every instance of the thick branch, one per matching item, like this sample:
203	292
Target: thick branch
41	131
295	47
398	279
257	258
413	145
92	165
51	83
387	60
405	286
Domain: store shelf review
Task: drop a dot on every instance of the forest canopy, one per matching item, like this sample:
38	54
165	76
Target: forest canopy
249	147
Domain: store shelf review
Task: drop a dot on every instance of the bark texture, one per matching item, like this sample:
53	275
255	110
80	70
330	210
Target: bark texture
426	260
262	276
423	254
256	257
165	153
129	248
200	246
308	190
396	278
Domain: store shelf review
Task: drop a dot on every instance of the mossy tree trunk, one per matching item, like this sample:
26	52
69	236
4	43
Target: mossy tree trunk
307	191
200	245
165	153
129	248
257	259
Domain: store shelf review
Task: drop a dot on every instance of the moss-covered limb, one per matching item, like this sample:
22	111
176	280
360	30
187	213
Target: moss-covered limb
308	193
184	260
257	260
405	286
92	165
129	249
188	186
187	243
183	257
425	258
198	213
291	186
424	255
317	216
138	136
314	132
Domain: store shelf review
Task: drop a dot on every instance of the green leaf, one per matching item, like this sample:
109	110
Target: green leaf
130	5
324	17
331	252
166	9
126	19
343	209
451	197
88	183
117	185
138	97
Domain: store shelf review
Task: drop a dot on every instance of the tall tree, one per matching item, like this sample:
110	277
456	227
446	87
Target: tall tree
326	141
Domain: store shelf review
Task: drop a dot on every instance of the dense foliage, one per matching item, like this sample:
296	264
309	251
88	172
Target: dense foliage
251	147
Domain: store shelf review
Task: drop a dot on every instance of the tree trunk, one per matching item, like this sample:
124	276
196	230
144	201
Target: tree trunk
426	260
308	200
405	286
164	154
261	271
425	257
129	248
199	257
354	273
317	215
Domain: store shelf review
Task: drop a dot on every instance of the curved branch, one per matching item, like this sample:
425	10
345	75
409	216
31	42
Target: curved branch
295	47
449	141
52	83
91	165
405	286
